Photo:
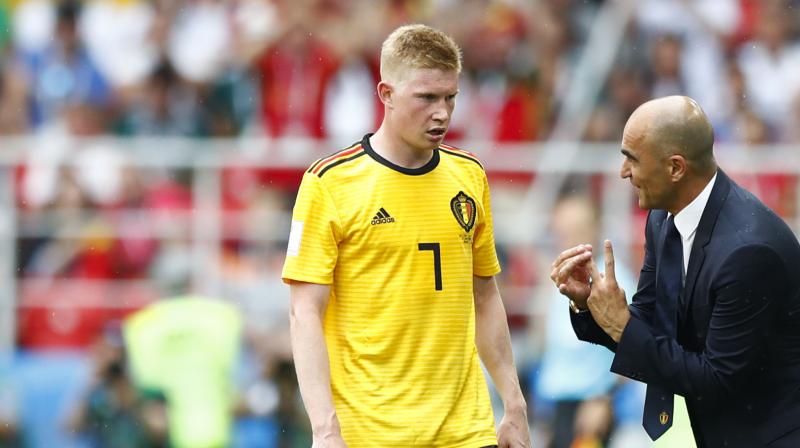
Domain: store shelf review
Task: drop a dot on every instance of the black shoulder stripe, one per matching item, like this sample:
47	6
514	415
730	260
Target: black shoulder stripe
331	155
339	162
314	165
452	153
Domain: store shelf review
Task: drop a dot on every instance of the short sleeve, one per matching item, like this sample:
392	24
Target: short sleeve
484	254
314	237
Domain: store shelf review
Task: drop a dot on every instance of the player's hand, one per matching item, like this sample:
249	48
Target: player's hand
571	273
513	431
607	300
329	441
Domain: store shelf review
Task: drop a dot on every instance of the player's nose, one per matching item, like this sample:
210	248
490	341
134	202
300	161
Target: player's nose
441	111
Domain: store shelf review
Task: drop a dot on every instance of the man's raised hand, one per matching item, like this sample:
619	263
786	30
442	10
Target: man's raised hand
607	300
570	273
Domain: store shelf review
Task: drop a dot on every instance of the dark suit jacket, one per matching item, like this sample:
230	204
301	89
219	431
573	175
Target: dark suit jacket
736	359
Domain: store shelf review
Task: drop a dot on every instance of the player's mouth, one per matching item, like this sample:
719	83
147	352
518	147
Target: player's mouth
436	134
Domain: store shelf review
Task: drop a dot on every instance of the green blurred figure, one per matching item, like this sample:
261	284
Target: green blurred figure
186	348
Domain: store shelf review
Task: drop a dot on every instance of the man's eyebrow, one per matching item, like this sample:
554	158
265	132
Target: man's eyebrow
628	154
431	93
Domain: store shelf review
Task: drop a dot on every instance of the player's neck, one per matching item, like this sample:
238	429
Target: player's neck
395	150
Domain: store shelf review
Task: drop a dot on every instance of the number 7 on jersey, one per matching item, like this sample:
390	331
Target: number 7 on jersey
437	262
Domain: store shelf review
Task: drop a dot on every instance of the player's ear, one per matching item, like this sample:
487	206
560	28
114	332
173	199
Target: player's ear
385	93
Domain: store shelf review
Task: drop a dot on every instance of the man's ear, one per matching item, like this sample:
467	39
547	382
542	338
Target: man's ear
677	167
385	93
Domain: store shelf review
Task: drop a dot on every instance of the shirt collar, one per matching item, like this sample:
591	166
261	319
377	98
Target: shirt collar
688	219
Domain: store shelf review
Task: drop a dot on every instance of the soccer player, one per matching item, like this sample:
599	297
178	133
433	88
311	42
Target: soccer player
391	262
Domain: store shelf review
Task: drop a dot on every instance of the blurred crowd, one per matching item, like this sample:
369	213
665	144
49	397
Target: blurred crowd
309	67
100	238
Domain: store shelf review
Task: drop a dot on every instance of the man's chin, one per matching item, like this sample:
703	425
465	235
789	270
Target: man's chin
427	144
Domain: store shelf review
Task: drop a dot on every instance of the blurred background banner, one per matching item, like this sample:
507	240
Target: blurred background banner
152	149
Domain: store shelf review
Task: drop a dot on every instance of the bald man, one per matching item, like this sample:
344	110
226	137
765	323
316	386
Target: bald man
716	316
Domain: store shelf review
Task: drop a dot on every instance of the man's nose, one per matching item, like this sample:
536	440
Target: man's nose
625	170
441	113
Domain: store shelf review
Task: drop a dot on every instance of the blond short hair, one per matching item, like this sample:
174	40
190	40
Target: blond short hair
417	46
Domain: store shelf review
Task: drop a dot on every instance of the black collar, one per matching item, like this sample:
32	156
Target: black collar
427	168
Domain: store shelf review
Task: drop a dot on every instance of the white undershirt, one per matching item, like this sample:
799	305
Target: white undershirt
688	219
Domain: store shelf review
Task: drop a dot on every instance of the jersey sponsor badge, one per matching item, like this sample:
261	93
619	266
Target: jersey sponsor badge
463	208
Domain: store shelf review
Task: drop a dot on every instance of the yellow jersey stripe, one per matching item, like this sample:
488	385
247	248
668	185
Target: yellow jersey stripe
460	153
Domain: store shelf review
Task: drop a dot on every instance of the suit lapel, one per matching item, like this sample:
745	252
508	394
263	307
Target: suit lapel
662	236
703	236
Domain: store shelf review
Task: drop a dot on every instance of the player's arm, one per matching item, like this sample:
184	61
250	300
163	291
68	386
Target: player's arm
309	301
494	348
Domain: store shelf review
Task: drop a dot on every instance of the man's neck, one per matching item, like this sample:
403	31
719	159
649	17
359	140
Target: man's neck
395	150
694	186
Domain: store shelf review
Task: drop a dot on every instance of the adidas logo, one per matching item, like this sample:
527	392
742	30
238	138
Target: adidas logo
382	217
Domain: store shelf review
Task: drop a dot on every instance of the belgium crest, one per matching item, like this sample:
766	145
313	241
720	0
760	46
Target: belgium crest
463	208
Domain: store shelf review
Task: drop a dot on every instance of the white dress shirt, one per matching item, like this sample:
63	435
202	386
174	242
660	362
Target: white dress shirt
688	219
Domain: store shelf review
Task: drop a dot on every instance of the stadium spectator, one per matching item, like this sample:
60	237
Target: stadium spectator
121	40
704	27
770	63
113	412
186	348
14	107
63	73
666	67
166	106
200	39
294	72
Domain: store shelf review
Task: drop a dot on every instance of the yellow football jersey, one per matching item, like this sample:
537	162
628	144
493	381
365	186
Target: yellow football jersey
399	248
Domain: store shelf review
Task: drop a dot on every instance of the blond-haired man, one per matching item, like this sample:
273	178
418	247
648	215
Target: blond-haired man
391	263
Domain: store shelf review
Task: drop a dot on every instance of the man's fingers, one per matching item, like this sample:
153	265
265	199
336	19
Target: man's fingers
594	273
566	268
566	254
571	252
609	259
560	264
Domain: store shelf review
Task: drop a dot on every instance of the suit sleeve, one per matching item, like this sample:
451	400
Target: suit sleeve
748	288
643	302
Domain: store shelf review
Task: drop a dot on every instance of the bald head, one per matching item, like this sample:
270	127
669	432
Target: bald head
674	125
